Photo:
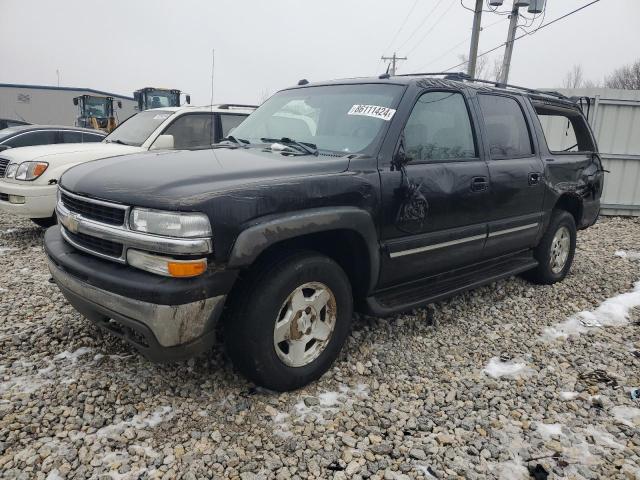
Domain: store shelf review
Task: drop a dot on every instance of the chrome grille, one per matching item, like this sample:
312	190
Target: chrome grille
95	244
3	166
95	211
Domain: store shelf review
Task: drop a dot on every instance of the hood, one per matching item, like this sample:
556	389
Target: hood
184	179
49	153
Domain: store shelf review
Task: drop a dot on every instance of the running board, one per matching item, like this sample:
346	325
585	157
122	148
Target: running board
431	289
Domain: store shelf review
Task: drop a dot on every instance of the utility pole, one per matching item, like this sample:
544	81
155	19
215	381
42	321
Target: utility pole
475	39
508	51
394	59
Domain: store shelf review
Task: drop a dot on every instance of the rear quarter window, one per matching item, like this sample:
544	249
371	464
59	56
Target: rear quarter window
565	131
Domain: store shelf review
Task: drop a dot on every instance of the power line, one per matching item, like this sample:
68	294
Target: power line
420	24
526	34
404	22
431	29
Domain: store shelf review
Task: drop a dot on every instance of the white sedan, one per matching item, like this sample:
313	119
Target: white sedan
29	175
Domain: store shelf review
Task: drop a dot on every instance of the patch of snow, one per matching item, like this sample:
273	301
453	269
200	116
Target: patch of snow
4	250
548	430
512	470
140	421
328	399
603	439
425	470
613	312
628	255
54	475
73	356
629	416
568	395
496	368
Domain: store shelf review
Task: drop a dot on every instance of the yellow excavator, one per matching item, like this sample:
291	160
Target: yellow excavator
151	97
97	112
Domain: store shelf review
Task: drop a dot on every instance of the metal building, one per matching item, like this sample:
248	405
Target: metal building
52	105
614	116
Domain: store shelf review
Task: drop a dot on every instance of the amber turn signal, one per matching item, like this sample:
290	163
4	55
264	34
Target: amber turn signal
186	269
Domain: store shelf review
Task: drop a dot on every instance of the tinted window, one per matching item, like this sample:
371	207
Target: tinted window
507	130
439	128
69	136
229	122
191	131
32	138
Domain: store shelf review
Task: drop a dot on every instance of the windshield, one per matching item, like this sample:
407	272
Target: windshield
137	129
96	107
335	118
161	98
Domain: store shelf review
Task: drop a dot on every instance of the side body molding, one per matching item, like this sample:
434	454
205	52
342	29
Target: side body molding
267	231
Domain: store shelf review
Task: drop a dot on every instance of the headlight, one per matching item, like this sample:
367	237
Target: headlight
171	224
11	170
30	170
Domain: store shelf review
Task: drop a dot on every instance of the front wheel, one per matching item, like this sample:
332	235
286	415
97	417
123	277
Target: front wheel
290	320
556	250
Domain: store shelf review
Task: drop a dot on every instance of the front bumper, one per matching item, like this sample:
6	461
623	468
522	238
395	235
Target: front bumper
40	200
165	319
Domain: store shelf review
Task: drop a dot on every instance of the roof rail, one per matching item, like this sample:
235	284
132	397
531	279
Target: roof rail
463	77
227	106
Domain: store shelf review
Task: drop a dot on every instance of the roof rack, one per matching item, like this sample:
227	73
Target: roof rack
227	106
463	77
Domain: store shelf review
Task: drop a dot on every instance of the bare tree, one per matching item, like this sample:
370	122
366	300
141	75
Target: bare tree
627	77
574	77
496	70
481	65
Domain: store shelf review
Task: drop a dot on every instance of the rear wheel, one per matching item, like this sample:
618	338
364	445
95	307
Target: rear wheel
556	250
46	222
289	320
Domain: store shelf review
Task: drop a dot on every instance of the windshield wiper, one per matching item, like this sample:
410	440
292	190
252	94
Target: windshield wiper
233	139
305	147
120	142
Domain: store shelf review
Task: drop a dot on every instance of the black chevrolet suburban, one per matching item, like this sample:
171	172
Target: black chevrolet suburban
378	194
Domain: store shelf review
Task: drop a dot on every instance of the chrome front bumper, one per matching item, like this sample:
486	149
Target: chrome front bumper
161	332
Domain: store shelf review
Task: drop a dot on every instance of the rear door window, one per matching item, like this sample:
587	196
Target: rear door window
229	122
69	136
507	130
32	138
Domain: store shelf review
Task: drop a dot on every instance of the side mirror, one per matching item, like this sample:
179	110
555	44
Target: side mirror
163	142
119	104
75	102
188	99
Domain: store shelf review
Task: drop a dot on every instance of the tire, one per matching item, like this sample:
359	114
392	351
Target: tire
271	295
46	222
554	261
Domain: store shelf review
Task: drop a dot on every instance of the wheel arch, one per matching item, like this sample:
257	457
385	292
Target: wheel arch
345	234
572	204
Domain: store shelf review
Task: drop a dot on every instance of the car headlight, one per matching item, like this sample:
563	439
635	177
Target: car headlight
171	224
30	170
11	170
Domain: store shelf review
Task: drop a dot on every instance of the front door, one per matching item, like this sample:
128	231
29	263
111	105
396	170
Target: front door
517	176
435	207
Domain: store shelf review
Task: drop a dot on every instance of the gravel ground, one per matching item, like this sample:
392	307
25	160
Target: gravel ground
484	385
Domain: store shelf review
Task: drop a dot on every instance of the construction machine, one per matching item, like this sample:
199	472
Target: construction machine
97	112
151	97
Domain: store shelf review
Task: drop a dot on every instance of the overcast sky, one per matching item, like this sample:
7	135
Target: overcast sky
262	46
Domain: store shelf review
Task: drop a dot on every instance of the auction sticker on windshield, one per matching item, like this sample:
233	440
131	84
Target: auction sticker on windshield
385	113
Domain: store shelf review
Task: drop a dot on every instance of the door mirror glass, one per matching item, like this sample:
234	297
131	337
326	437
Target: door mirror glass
163	142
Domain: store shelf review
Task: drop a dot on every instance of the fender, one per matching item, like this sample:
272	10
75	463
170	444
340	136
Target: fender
265	232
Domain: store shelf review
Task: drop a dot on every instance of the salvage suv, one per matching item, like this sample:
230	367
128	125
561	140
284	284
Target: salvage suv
379	194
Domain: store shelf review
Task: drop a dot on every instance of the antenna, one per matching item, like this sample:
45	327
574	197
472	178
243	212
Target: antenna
213	63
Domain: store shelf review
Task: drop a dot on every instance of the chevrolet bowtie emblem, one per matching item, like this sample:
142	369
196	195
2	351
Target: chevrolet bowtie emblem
72	223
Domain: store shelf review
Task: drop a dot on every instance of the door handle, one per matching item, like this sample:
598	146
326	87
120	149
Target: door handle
479	184
534	178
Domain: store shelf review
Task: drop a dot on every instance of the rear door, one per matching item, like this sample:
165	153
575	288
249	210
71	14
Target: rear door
434	212
516	174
